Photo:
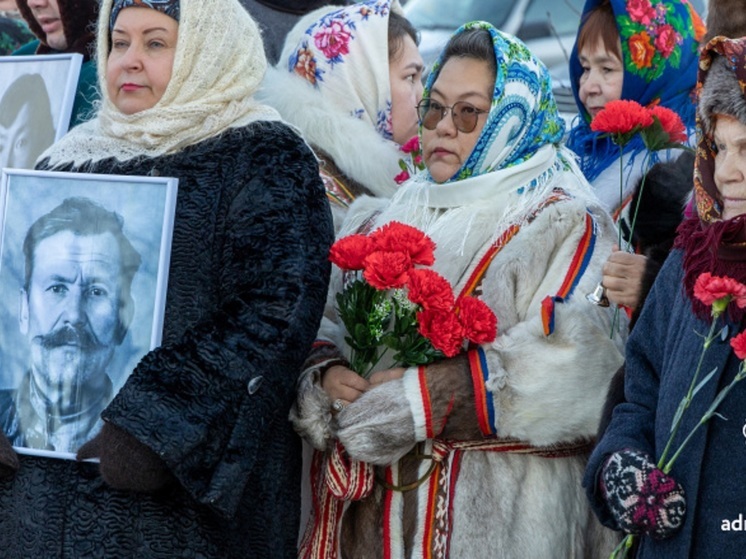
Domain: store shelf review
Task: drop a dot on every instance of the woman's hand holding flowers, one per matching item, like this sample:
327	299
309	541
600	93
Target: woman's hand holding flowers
343	384
378	428
623	273
425	403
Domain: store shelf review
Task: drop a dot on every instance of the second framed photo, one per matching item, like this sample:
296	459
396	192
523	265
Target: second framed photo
36	101
83	276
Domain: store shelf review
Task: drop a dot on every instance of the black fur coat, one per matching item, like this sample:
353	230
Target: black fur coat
247	284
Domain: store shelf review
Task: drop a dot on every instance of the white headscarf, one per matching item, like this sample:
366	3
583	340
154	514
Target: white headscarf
332	82
218	65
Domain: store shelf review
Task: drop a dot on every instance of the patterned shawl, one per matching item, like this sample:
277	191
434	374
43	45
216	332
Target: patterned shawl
523	116
659	40
516	162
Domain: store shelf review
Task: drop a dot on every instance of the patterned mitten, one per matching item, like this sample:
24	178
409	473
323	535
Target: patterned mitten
641	497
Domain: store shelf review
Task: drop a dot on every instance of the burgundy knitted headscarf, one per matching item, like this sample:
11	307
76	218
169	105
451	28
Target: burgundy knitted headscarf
710	243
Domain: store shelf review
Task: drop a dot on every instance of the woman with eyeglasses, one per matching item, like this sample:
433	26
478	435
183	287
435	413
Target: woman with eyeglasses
478	455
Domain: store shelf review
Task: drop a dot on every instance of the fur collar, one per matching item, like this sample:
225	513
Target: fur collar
356	147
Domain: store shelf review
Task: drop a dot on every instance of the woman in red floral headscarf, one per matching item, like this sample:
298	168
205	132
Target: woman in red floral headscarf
643	51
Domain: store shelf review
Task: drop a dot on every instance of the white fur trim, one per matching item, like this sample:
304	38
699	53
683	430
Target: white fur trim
413	392
311	413
354	145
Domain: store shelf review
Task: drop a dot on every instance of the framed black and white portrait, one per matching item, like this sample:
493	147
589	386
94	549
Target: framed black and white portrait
83	276
36	101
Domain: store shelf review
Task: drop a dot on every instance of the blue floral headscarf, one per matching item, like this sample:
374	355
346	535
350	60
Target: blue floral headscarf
523	116
660	42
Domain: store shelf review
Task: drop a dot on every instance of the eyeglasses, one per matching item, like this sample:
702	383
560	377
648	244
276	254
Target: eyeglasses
464	115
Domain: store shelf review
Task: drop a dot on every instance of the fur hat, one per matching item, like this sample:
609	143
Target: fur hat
721	93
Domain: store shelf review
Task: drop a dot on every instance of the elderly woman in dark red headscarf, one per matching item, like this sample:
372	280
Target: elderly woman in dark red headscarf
690	511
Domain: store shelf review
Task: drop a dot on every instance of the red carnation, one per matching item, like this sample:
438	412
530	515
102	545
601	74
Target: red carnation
398	237
478	320
387	269
430	290
718	291
738	343
443	329
621	120
350	252
402	177
671	123
411	145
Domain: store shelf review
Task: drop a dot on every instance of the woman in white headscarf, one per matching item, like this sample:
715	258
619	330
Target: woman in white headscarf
197	458
479	455
349	78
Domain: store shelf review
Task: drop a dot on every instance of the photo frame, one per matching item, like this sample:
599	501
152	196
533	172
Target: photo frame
77	310
36	101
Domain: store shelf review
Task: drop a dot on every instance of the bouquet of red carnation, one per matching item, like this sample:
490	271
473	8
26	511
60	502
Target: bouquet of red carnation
391	301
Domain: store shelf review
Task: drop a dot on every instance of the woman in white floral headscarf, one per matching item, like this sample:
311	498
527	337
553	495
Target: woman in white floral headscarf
349	79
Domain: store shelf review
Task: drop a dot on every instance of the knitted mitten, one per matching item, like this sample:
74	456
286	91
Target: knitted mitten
641	497
8	458
125	463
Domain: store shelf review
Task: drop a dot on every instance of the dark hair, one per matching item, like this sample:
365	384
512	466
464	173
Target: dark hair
85	218
600	23
400	27
472	43
29	90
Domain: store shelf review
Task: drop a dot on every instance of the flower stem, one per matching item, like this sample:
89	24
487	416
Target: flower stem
622	550
687	400
705	418
621	193
379	356
615	318
637	205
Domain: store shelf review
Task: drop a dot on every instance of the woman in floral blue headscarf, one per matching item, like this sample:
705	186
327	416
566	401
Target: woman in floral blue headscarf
482	453
655	44
643	51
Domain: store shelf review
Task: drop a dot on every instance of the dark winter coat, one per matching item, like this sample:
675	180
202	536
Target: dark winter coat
246	290
662	355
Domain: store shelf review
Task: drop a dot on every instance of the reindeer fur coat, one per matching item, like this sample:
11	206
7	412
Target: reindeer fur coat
547	389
